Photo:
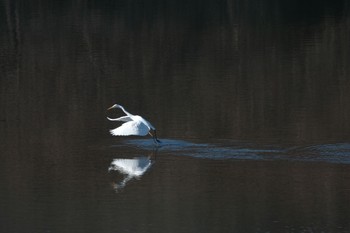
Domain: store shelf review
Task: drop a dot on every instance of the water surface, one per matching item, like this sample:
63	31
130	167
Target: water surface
250	99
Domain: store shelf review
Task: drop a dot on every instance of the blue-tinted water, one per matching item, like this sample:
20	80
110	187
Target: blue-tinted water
249	187
239	150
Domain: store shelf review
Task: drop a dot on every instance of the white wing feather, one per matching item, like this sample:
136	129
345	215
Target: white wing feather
123	118
130	128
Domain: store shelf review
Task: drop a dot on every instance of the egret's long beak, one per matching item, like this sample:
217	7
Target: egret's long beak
110	108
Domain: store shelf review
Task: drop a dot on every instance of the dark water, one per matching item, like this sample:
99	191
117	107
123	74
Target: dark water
251	100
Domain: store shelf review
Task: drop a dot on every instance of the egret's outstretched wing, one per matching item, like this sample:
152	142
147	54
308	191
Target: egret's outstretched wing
130	128
123	118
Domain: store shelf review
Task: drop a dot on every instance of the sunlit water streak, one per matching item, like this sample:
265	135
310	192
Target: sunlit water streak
330	153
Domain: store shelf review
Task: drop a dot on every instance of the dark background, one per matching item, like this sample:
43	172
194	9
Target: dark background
254	70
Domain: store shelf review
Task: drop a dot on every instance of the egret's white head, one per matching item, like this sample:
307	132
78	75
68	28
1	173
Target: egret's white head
114	106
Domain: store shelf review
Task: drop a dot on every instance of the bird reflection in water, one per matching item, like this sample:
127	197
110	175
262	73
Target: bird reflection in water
133	168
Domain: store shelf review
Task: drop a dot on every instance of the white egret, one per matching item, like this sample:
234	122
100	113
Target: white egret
134	125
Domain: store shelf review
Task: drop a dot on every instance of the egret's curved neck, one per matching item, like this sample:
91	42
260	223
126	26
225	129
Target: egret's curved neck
123	109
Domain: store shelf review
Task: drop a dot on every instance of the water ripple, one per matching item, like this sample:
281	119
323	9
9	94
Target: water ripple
222	150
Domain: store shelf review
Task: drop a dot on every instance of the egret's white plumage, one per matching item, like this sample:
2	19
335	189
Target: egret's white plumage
134	125
123	118
130	128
